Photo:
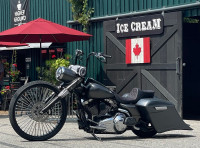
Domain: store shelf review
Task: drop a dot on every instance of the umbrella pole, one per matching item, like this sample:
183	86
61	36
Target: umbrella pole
40	56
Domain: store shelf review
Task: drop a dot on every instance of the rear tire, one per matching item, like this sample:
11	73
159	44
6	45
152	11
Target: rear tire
145	131
24	112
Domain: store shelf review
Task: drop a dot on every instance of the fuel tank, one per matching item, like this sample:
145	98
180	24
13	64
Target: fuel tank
98	91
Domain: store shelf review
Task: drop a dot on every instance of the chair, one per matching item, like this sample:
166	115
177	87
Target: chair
24	80
6	100
8	95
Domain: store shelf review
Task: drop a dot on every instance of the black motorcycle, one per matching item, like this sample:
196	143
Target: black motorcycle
38	109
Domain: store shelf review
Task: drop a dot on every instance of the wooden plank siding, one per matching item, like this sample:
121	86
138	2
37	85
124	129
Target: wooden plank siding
4	15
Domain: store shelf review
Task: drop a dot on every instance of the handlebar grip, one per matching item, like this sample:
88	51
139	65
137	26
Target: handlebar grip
107	56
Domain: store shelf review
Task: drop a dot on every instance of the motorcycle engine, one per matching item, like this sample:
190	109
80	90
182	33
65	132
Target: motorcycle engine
114	124
99	107
104	113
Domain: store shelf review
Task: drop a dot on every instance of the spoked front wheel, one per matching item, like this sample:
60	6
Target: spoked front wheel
25	116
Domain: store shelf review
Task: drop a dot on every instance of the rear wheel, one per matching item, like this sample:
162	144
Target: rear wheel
144	130
24	111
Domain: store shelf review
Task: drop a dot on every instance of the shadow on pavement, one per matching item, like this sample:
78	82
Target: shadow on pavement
163	136
168	136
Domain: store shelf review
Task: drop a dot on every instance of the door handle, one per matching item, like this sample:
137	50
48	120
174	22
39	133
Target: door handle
178	61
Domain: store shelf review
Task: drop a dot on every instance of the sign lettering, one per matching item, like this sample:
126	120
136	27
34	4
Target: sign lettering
19	12
137	26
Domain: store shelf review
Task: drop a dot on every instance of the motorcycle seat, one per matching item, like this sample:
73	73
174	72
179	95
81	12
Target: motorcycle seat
134	96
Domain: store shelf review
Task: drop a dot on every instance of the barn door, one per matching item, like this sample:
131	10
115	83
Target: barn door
163	74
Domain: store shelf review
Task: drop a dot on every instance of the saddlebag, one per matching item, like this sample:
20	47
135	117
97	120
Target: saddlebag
162	114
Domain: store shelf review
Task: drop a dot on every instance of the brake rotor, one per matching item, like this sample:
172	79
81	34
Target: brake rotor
35	112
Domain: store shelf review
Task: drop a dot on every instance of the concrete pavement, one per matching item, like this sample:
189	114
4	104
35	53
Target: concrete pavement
71	137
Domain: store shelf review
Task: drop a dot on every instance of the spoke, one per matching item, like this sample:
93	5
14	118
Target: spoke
22	120
23	103
25	98
29	126
32	95
24	124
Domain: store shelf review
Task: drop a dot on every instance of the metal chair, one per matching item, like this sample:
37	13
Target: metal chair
8	95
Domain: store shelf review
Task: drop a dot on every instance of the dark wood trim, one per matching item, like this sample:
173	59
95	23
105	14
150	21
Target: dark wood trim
132	66
163	40
125	82
116	42
158	86
179	46
160	67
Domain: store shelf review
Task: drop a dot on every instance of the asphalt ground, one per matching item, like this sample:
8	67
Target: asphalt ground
71	137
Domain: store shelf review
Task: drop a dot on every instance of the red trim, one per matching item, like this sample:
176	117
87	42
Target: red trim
146	42
128	51
51	51
44	51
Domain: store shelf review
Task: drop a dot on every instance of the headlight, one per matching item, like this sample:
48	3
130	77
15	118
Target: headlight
59	71
65	74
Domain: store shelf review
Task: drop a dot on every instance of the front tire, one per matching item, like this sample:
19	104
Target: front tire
24	112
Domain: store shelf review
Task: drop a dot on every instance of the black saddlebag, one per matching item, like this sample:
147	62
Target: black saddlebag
162	114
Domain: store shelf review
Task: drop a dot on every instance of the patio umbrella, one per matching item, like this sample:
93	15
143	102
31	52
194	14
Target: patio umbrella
12	44
40	31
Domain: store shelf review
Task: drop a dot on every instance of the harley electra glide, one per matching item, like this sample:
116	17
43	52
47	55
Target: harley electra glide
38	109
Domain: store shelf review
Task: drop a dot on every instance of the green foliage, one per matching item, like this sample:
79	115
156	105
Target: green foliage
14	74
190	20
47	73
81	12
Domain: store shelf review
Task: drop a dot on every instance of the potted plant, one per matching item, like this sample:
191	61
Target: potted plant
14	75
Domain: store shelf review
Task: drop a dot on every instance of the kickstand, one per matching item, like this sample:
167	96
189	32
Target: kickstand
98	138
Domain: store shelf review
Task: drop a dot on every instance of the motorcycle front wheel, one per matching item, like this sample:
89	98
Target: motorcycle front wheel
25	107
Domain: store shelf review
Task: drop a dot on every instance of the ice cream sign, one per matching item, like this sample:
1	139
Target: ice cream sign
137	26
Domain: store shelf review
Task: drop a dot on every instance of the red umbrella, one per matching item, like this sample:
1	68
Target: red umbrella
41	30
12	44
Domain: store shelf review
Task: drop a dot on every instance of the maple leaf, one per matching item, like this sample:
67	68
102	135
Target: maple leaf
137	50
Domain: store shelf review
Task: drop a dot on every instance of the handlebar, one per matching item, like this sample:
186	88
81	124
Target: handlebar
107	56
98	55
78	53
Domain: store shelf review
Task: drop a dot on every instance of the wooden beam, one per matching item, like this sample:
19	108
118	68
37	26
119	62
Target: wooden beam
163	40
116	42
125	82
158	86
146	66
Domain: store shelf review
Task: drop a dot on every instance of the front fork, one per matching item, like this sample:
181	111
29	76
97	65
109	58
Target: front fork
50	102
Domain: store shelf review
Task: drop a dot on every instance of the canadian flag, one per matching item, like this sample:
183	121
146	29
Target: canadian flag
138	50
